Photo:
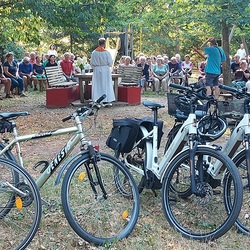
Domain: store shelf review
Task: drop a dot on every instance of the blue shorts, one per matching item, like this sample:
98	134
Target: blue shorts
212	79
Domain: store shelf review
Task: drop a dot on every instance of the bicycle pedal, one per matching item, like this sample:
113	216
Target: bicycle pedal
51	205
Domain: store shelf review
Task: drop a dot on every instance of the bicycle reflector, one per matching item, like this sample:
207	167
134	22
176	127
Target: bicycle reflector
19	203
125	215
81	176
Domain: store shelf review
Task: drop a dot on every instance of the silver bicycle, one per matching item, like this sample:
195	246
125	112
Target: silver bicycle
99	196
193	190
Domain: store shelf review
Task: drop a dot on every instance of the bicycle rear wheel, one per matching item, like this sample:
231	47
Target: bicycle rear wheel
95	215
242	223
202	215
138	158
20	206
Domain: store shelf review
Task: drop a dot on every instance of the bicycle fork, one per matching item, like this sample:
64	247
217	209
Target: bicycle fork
192	150
93	158
247	148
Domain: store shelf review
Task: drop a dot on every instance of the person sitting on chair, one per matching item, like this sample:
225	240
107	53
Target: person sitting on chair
26	71
174	69
241	76
6	82
144	74
187	67
68	68
160	74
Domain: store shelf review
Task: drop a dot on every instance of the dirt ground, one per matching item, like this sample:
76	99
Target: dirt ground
152	230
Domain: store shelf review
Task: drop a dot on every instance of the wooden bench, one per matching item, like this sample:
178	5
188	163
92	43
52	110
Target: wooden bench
59	92
128	89
55	77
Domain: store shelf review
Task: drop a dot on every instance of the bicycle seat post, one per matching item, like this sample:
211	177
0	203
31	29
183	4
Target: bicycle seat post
155	110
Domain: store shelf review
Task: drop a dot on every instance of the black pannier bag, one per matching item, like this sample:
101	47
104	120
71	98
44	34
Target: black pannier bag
5	126
123	135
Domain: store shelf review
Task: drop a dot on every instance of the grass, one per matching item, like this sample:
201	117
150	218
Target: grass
152	230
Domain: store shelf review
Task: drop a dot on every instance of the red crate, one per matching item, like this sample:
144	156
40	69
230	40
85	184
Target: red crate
131	94
62	96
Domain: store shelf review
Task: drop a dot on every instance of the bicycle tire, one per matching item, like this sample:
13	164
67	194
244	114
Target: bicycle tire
8	154
20	224
4	209
242	223
138	158
94	217
201	218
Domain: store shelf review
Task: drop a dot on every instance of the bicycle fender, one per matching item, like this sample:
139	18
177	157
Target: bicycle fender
66	165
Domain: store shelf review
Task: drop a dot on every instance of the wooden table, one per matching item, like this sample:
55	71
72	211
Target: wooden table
87	78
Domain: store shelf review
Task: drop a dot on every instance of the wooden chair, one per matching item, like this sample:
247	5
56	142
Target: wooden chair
59	92
129	90
55	77
131	75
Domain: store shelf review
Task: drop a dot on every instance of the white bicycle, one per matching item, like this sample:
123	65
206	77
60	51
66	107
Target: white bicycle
193	191
240	136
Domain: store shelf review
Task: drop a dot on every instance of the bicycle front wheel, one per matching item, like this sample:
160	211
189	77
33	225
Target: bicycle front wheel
20	206
203	215
100	203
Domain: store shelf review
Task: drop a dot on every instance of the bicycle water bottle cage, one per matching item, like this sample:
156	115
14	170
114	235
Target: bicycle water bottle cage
42	163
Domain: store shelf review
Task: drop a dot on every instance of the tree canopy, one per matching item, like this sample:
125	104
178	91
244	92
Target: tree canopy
169	26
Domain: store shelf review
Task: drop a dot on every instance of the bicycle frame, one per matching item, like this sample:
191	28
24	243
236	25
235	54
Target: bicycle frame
187	130
59	157
237	136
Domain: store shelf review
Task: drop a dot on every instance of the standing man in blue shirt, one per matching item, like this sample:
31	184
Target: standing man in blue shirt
215	56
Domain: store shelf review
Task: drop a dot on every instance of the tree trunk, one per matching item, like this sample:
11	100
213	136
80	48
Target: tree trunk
225	45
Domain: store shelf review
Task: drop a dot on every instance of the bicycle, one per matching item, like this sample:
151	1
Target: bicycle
109	206
193	194
20	206
240	136
241	157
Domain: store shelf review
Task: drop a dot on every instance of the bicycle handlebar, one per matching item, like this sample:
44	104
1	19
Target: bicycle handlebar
87	110
228	88
238	93
191	89
178	86
101	98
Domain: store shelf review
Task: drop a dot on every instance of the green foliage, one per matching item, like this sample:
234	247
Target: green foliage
159	26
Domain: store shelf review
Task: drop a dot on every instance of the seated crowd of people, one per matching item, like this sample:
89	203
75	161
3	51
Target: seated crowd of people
16	76
158	70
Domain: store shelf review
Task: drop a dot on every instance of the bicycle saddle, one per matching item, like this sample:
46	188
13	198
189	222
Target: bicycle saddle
152	104
13	114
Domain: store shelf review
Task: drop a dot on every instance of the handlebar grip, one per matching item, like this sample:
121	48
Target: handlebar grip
231	89
101	98
177	86
66	118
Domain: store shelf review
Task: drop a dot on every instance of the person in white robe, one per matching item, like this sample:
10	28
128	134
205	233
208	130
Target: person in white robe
101	61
